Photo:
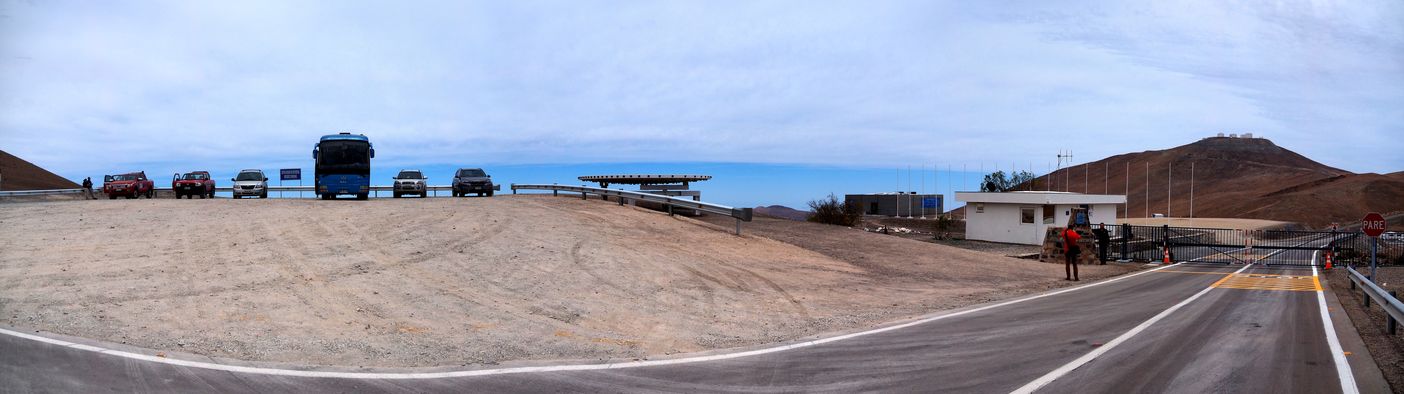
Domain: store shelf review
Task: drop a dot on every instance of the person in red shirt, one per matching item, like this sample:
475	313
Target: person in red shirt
1070	252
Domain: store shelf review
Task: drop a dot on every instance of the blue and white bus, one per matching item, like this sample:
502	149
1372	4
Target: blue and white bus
343	165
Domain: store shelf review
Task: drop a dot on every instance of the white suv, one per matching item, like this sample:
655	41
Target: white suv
250	183
410	182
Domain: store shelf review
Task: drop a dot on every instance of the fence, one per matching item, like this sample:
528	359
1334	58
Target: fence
740	214
1229	246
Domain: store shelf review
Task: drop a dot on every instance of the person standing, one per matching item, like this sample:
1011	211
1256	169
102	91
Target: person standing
1070	252
88	188
1103	241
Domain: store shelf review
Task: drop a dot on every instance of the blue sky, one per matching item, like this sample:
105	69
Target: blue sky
821	96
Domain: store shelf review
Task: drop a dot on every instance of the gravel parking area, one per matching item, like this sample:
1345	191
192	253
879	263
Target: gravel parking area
468	281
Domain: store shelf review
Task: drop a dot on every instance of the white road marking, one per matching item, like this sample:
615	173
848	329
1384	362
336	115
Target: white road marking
1337	353
1086	358
555	368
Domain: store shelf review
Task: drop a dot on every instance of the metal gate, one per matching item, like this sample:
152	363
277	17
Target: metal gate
1229	246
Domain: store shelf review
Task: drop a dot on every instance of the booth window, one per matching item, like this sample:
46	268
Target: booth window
1026	215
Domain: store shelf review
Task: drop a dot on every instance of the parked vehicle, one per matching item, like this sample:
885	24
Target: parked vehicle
343	165
129	185
194	183
250	182
410	182
472	180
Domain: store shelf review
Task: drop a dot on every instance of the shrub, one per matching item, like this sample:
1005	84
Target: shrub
832	211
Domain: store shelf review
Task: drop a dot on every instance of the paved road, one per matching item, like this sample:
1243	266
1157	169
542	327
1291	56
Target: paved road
1185	328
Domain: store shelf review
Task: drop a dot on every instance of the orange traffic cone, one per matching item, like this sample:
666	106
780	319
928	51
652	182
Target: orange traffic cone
1167	255
1328	260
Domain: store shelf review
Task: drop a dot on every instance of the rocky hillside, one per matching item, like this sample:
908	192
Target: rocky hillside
1235	178
18	174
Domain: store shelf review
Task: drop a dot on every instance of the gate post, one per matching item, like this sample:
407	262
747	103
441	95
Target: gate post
1165	238
1125	241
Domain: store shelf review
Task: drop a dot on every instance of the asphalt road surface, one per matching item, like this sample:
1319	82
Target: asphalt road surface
1188	328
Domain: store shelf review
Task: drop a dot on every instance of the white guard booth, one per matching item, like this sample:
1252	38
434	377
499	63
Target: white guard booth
1024	217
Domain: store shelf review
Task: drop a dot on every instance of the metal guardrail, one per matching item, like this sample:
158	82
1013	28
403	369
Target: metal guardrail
740	214
1387	300
226	189
39	192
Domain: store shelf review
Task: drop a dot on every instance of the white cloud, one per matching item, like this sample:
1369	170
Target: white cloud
89	86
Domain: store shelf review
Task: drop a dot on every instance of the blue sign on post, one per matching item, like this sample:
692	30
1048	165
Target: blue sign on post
291	174
929	202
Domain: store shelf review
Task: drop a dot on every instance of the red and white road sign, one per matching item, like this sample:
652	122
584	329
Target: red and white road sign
1373	224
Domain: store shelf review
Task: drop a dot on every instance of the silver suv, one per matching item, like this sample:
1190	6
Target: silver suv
410	182
250	183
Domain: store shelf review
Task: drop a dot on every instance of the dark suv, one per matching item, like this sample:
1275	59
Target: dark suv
472	180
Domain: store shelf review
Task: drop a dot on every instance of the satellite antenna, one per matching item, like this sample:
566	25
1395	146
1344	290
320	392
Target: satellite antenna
1065	155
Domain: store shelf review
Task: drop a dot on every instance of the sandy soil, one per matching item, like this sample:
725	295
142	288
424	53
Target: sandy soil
1232	223
440	282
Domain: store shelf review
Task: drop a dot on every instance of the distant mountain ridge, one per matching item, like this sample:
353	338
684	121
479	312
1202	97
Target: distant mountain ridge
782	212
18	174
1235	178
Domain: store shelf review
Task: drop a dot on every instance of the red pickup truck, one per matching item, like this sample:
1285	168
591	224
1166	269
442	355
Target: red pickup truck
129	185
194	183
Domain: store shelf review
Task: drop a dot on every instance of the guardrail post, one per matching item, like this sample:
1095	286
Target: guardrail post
1366	296
738	226
1392	324
670	209
621	201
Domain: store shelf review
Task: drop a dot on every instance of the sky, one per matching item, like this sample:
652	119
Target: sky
781	101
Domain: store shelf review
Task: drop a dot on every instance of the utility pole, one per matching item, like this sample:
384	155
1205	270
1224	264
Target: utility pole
1106	176
1148	189
1191	190
1169	175
1128	190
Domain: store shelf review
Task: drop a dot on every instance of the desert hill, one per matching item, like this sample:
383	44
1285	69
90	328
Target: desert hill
782	212
18	174
1235	178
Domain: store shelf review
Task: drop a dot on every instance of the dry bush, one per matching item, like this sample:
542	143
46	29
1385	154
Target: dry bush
832	211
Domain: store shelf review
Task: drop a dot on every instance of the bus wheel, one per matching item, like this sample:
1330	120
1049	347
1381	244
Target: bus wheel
362	196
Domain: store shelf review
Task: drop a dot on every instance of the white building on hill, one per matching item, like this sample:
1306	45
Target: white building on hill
1024	217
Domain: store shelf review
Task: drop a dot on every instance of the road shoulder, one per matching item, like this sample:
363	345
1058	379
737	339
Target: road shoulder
1368	376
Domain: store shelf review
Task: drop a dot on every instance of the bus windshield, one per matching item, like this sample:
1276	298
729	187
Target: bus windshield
348	155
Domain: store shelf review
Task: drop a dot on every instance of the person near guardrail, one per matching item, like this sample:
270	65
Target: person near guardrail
1071	252
1103	241
88	189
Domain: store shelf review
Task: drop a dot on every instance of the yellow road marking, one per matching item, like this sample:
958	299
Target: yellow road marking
1269	282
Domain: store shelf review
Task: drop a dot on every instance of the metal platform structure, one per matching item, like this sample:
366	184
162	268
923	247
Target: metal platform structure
665	181
671	185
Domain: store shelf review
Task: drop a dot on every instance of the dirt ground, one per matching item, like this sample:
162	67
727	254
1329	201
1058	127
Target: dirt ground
1386	349
1232	223
446	282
